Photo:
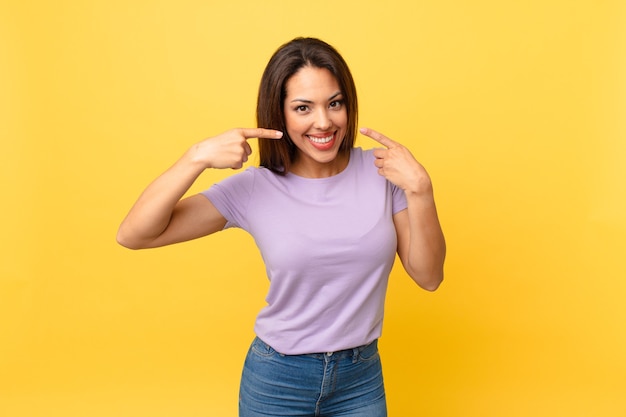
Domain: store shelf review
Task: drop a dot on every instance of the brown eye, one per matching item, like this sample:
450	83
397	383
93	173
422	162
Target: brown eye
336	104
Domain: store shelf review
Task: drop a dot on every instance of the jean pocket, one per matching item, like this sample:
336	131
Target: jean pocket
261	348
369	352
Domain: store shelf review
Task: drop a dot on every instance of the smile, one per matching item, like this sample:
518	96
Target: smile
320	140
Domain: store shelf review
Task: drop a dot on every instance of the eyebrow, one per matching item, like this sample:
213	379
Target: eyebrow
302	100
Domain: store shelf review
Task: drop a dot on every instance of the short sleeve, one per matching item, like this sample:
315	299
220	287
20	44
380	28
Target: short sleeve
399	199
231	197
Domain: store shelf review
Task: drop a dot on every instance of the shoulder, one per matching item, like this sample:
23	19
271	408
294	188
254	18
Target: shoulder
239	184
232	194
362	156
359	152
247	177
363	159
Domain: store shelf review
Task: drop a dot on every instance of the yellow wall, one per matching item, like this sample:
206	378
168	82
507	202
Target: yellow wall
517	108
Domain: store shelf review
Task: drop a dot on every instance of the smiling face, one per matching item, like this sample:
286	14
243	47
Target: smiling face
316	121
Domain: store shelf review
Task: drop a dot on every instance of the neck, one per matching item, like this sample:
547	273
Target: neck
312	169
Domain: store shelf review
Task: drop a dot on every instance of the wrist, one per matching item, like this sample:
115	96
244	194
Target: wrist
196	159
420	188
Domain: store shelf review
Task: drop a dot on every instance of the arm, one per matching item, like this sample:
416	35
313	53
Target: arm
421	244
160	217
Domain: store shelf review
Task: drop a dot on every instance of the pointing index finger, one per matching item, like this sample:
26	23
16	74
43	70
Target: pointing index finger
378	137
261	133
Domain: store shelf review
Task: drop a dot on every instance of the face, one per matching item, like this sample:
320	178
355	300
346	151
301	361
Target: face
316	120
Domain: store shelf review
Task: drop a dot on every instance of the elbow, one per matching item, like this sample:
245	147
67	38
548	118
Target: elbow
123	242
429	276
432	284
428	280
126	241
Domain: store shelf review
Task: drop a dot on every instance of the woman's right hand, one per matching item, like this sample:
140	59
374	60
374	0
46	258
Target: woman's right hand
229	149
160	217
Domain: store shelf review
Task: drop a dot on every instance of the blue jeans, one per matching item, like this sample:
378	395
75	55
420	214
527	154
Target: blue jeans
348	383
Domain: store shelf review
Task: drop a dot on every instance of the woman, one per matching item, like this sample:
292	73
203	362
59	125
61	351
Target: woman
328	219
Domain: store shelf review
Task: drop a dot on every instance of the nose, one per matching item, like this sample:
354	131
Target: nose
323	120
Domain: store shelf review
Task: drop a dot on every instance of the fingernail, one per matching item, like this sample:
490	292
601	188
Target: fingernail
279	134
363	130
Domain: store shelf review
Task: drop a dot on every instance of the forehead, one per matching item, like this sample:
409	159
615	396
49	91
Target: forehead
312	81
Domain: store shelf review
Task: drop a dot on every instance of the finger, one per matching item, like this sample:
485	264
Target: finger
260	132
247	148
380	153
378	137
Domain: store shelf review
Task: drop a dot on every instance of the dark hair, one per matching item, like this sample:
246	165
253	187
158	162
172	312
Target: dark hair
277	155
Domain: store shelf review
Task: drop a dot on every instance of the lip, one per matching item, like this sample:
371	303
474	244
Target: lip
322	141
321	135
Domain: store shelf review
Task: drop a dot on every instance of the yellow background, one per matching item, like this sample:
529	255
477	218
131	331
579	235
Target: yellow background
516	108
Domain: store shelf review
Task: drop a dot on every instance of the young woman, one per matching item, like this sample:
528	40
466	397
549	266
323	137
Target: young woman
328	219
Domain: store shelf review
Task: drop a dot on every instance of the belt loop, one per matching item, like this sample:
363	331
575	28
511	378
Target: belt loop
355	355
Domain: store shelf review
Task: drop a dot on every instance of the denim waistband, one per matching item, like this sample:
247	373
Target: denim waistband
340	354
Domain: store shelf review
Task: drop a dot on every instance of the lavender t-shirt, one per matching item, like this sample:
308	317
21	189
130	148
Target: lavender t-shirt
328	245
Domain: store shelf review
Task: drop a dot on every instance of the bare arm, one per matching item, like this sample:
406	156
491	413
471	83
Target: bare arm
160	217
421	244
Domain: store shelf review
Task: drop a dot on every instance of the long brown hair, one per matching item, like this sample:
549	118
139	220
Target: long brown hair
277	155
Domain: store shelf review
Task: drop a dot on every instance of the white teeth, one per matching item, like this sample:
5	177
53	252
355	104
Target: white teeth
320	140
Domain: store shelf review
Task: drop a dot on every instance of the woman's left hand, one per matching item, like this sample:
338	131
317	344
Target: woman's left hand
421	245
397	164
